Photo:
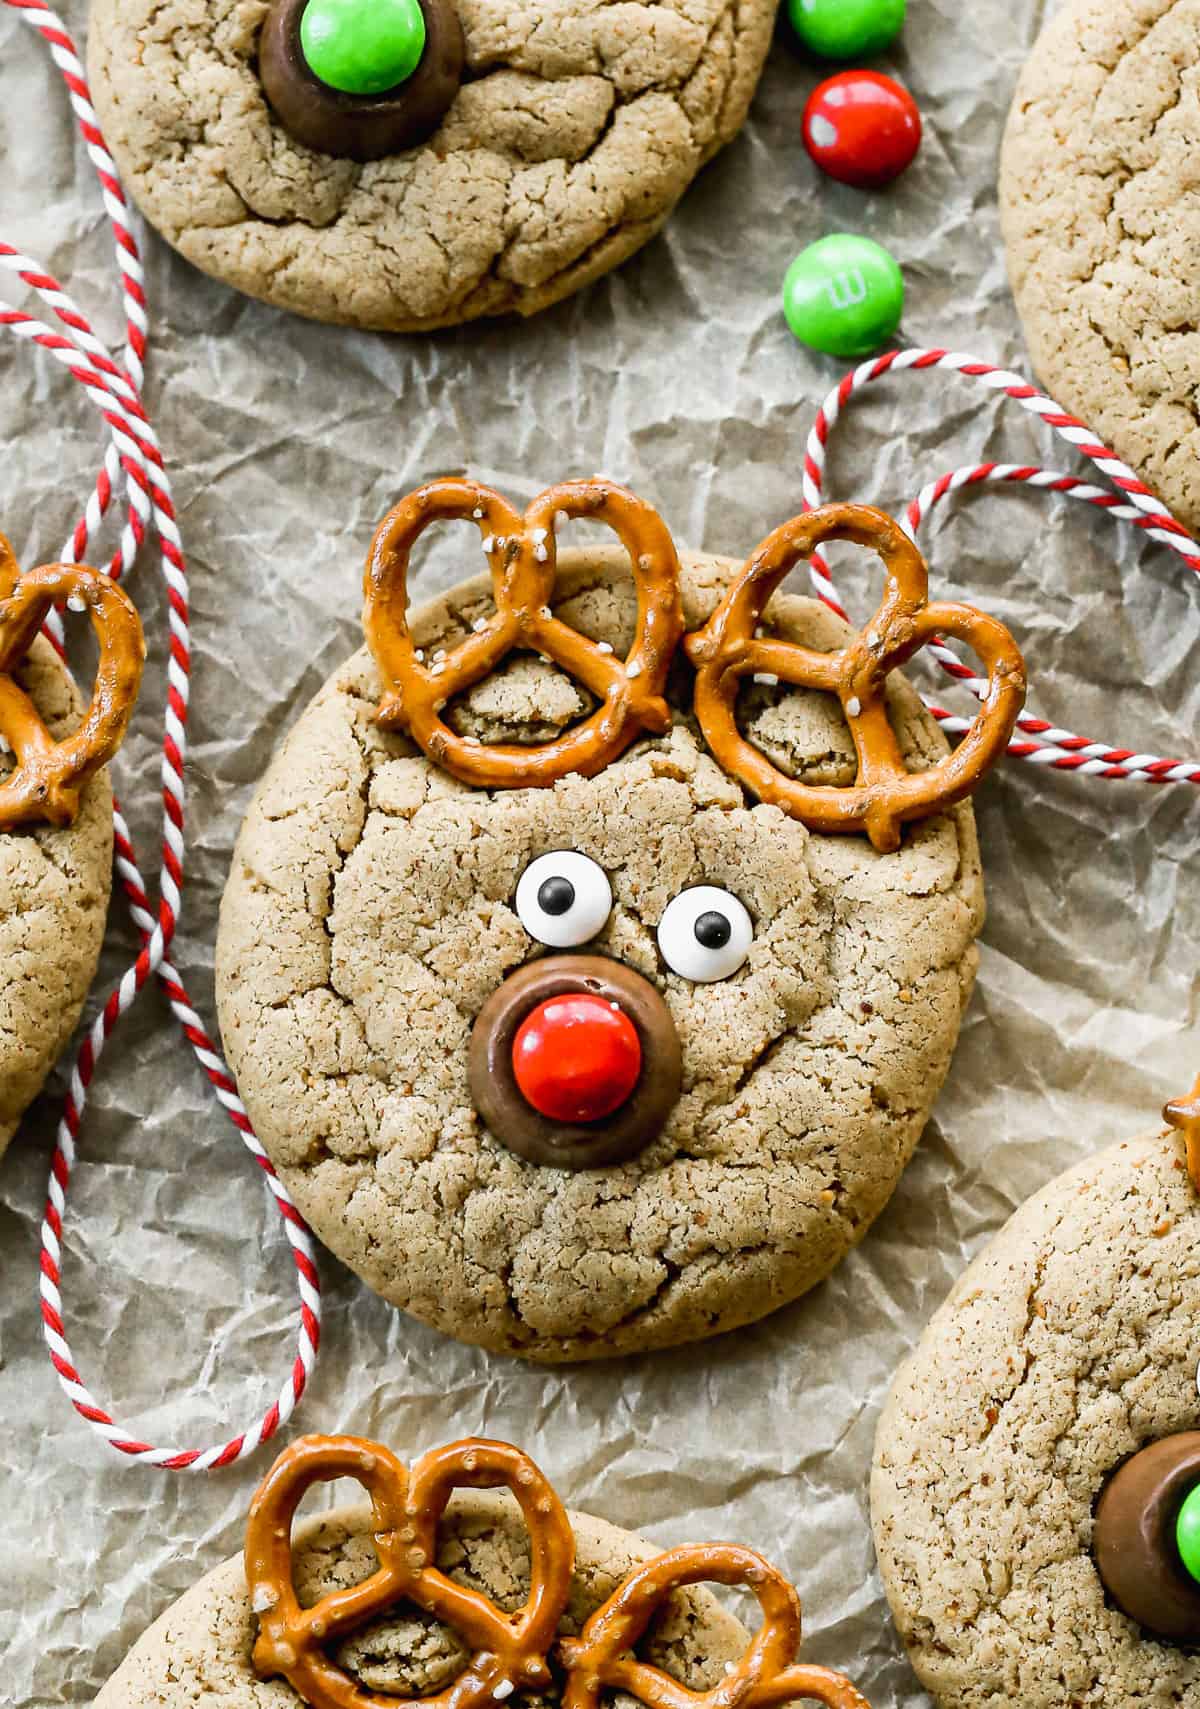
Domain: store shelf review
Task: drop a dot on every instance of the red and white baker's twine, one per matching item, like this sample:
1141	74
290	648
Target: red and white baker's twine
134	461
1037	741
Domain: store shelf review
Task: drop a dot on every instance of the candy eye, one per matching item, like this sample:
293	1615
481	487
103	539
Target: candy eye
705	934
563	899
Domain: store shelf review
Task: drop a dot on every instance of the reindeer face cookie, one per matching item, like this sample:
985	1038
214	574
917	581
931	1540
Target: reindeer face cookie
55	815
1038	1452
564	1038
409	164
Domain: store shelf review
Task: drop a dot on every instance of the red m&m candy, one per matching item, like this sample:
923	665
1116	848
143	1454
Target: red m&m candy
576	1058
862	128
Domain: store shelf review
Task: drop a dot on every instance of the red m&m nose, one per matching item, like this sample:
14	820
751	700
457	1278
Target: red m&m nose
576	1058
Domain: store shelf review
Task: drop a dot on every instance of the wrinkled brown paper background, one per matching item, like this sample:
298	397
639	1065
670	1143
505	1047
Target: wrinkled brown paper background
287	442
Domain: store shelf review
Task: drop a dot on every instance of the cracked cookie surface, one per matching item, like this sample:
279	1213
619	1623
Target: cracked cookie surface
54	891
199	1650
369	914
1069	1344
578	126
1101	209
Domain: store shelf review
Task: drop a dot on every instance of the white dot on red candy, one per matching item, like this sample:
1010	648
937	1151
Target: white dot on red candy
824	134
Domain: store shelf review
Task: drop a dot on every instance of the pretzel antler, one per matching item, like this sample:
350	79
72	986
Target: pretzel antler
602	1656
885	793
510	1651
49	776
523	554
1184	1115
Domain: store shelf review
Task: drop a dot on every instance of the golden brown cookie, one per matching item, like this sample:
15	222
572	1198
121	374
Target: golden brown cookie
575	131
200	1649
373	909
1101	211
1069	1346
54	891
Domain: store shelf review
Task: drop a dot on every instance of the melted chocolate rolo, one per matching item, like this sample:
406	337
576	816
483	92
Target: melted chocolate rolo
360	127
1134	1538
515	1122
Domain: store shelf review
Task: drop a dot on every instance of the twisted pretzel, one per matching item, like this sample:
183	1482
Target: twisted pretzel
885	793
602	1656
523	555
49	776
509	1649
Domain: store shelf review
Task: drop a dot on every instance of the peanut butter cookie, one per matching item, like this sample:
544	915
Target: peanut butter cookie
1101	209
555	137
798	994
1018	1568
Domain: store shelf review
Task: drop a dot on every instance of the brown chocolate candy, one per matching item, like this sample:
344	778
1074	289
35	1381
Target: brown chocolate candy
1134	1538
516	1123
360	127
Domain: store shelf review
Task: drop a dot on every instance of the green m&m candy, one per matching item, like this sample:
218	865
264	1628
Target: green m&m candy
844	296
847	29
362	47
1187	1533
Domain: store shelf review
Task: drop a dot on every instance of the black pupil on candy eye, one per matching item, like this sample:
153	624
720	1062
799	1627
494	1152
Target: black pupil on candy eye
712	930
556	896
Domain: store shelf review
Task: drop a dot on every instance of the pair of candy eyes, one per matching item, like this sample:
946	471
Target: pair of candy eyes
564	899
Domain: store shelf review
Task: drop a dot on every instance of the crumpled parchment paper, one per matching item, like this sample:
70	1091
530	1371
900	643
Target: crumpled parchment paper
287	443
